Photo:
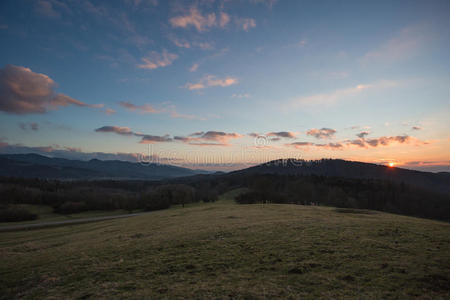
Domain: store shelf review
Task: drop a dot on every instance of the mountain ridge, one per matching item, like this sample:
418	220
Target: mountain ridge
35	165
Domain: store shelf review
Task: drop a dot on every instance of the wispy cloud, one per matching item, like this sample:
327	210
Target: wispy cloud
405	44
340	94
241	96
385	141
77	153
193	68
156	60
29	126
363	143
144	109
193	17
245	23
269	3
24	92
110	111
211	81
51	8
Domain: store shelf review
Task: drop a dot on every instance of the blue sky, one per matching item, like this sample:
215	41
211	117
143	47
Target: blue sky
256	80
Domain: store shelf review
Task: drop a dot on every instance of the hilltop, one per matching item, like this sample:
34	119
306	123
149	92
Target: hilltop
438	182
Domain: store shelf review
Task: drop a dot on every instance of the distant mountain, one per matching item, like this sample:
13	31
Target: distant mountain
38	166
439	182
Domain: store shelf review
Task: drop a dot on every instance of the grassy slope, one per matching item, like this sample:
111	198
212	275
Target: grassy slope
226	250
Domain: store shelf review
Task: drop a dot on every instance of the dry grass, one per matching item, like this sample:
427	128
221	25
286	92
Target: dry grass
224	250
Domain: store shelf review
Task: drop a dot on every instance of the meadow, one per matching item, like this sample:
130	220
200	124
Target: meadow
225	250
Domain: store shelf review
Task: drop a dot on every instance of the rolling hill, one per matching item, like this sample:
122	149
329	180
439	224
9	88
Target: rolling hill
438	182
38	166
225	250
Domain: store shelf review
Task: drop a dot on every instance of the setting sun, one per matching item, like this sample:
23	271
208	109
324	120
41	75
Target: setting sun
391	164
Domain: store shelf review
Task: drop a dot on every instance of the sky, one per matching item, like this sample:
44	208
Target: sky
226	84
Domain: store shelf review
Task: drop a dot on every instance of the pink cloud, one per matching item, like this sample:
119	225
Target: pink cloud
156	60
323	133
23	91
224	19
209	138
115	129
194	18
211	81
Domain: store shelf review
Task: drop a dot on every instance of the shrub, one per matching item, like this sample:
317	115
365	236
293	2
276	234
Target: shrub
16	214
71	208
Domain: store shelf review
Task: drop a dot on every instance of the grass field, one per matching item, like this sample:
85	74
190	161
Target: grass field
224	250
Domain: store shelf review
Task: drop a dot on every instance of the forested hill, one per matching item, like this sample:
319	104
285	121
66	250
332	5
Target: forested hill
38	166
438	182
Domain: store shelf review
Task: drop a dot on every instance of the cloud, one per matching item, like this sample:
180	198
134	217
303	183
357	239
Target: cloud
144	109
183	43
416	128
323	133
269	3
208	138
194	18
224	19
340	94
330	145
137	3
193	68
245	23
173	113
428	166
77	153
126	131
210	81
24	92
166	109
155	60
115	129
180	43
362	134
362	143
47	8
110	111
29	126
151	139
385	141
241	96
359	142
301	144
405	44
283	134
